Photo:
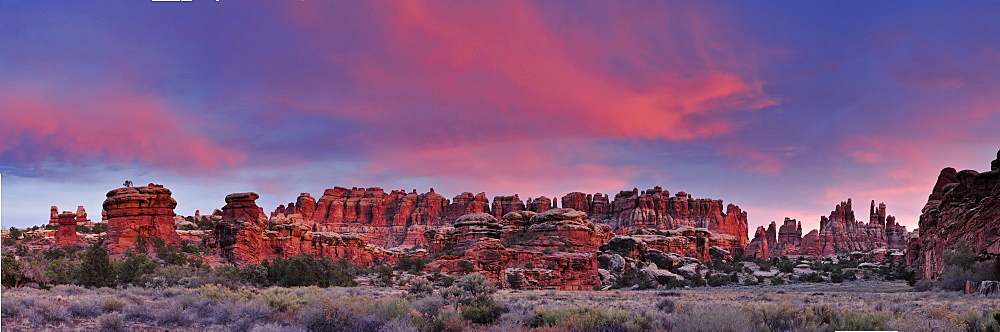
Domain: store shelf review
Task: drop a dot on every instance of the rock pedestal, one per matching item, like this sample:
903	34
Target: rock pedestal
66	233
239	234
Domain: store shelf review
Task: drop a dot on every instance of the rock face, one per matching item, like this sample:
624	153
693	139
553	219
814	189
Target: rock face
656	209
387	219
552	249
139	212
399	218
239	233
66	233
839	234
963	207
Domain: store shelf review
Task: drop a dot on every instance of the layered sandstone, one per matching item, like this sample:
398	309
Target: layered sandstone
399	218
387	219
139	213
66	233
656	209
842	233
839	234
552	249
239	233
963	207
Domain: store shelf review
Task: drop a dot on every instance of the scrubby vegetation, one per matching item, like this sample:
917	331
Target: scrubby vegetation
473	303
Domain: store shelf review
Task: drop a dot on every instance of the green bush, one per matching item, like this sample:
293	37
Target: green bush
420	287
414	265
515	280
307	270
777	281
861	321
135	266
95	268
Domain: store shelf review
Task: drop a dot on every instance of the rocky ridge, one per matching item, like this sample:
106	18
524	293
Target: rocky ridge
963	207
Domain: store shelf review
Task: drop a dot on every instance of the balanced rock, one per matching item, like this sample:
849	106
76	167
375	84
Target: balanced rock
239	233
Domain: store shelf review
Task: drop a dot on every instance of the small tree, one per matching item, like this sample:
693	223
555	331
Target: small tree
95	268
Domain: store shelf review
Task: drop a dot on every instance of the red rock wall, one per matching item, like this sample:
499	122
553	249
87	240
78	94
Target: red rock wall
963	207
400	218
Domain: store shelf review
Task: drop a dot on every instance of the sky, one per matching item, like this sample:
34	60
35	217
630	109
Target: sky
784	108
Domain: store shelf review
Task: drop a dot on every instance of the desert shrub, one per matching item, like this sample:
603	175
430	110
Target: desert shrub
112	322
420	287
777	317
249	314
482	312
465	266
86	307
474	296
716	280
429	305
710	317
414	265
45	312
95	268
67	290
861	321
582	318
254	274
960	265
11	275
777	281
383	276
134	266
786	265
307	270
666	305
112	304
515	280
340	314
697	280
176	275
811	277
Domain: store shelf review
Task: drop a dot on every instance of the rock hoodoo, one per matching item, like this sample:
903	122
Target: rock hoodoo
839	234
66	233
963	207
239	233
400	218
139	213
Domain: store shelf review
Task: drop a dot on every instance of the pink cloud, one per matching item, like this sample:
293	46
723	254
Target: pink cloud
105	123
502	64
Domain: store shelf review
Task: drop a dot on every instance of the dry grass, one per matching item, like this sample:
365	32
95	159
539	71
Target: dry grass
796	307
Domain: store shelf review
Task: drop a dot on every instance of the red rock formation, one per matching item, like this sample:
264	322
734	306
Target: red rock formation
790	233
963	207
506	204
566	228
81	216
841	233
239	233
760	246
466	203
655	209
66	233
54	215
540	204
388	220
139	212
